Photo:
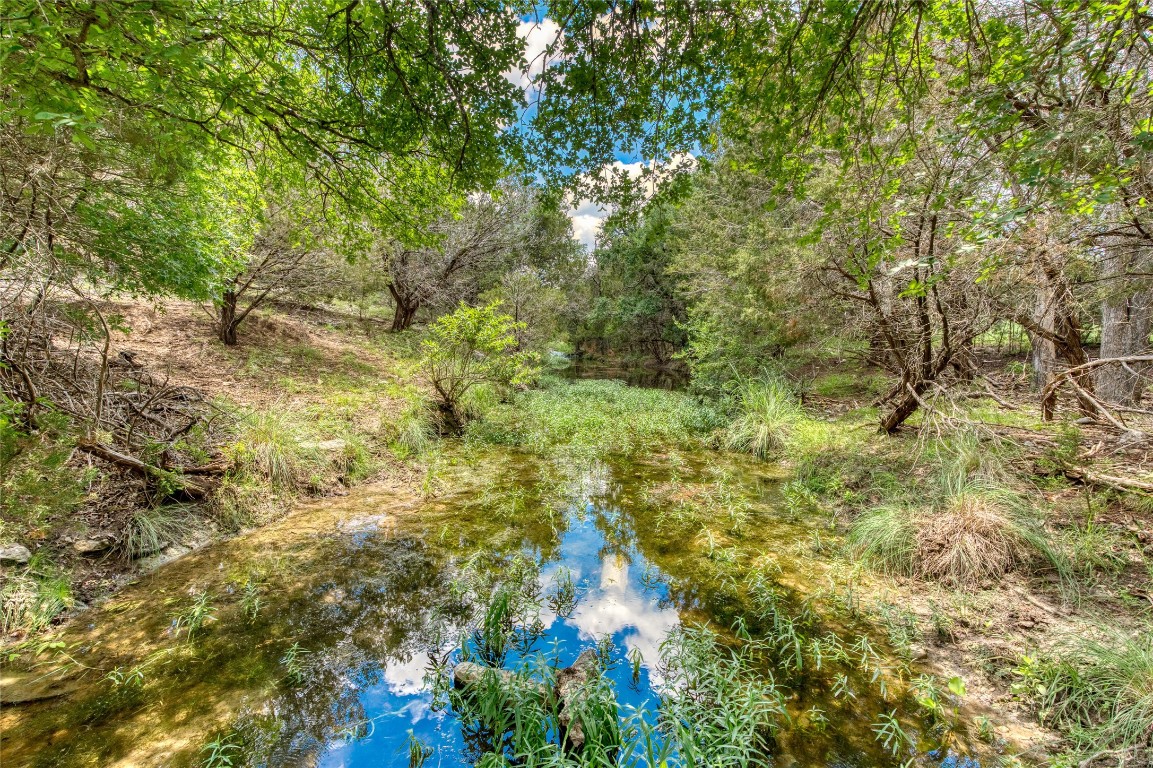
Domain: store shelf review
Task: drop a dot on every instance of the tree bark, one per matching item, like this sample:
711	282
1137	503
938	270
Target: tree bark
228	322
405	312
1125	325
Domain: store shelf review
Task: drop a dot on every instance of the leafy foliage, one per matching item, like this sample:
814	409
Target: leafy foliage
469	347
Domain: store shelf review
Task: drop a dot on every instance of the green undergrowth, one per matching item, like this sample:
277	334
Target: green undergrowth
595	418
279	453
1098	690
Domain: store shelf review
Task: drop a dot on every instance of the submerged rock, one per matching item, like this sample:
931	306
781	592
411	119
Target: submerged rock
14	554
26	687
468	673
569	683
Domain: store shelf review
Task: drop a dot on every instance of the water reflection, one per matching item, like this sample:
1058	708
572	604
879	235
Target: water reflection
359	602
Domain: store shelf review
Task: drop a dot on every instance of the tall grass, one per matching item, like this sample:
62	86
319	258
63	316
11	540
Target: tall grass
1099	690
150	530
31	600
277	444
595	418
768	414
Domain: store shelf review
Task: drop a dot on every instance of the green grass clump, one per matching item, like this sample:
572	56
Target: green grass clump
1098	689
31	599
150	530
768	413
971	531
413	431
596	417
276	444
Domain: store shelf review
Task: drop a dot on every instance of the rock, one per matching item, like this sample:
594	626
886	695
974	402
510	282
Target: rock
468	673
14	554
163	557
918	652
94	545
328	446
568	685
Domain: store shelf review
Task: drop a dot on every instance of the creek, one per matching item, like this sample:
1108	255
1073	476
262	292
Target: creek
325	639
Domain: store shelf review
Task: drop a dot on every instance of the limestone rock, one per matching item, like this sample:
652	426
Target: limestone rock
94	545
14	554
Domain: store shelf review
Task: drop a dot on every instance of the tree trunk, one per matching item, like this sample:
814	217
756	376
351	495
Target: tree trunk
1042	350
1125	326
405	312
228	323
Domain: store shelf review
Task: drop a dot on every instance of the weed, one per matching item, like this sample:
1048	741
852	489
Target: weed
192	619
32	599
149	530
1098	689
276	444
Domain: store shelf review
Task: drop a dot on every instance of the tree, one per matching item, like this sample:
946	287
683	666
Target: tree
469	347
638	305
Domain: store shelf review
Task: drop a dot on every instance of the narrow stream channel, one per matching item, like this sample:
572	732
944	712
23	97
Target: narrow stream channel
320	638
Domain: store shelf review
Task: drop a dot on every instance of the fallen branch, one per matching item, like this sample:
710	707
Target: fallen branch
193	488
1108	481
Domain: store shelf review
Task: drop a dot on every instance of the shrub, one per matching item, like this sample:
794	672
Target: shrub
469	347
769	412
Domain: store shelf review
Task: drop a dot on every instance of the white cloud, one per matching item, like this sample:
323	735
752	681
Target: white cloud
537	37
587	220
588	217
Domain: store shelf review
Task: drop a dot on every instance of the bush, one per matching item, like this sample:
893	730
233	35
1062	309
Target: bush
470	347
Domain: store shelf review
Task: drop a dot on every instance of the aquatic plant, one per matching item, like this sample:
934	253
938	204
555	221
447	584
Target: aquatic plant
419	752
892	735
191	619
595	418
562	600
721	709
296	672
222	752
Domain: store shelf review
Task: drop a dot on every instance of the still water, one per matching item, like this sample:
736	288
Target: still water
323	635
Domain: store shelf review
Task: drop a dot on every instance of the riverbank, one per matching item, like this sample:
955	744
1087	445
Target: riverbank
311	403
